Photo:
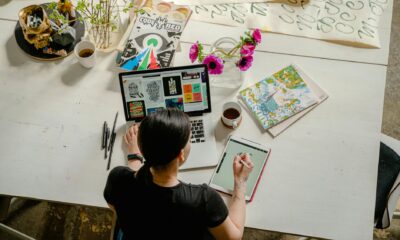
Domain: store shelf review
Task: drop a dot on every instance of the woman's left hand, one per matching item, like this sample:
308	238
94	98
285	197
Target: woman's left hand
131	139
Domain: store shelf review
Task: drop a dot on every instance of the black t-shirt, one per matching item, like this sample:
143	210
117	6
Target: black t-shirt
149	211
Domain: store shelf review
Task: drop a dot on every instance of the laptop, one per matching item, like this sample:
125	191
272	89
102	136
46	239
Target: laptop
186	88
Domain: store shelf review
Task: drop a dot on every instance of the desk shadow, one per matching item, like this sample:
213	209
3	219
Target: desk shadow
222	132
196	169
113	85
15	55
4	2
112	67
73	74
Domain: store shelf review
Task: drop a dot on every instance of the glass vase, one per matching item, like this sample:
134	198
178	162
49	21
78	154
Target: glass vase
106	36
231	77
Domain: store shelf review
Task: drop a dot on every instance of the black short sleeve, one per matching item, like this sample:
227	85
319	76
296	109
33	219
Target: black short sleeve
116	181
215	208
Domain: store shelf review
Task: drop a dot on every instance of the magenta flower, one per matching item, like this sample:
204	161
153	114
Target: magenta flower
194	52
247	49
257	36
215	64
245	62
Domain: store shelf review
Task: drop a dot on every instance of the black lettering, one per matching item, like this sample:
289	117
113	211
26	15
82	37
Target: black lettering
355	5
347	16
258	9
344	28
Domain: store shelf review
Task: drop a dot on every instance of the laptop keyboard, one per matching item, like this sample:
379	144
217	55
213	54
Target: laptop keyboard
197	131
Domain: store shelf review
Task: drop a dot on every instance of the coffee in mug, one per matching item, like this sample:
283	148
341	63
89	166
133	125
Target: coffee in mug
231	114
84	53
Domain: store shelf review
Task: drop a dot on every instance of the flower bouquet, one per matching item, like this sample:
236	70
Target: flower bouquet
241	53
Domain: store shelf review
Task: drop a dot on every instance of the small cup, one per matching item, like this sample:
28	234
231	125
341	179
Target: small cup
85	52
231	114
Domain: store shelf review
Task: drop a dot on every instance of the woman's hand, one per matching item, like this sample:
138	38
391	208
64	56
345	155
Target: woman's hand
242	167
131	140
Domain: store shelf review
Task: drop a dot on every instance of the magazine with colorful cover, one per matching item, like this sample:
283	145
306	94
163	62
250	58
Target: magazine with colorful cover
319	92
154	37
278	97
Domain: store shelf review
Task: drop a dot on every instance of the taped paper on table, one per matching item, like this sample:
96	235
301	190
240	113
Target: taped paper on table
352	23
206	2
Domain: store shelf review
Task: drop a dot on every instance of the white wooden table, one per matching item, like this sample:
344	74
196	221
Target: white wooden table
320	179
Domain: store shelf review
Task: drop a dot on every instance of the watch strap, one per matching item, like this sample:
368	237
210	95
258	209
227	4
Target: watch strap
135	156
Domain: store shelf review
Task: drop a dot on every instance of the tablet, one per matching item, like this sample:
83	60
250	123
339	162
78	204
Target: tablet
222	179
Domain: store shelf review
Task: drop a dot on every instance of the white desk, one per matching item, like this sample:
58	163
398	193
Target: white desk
274	43
320	179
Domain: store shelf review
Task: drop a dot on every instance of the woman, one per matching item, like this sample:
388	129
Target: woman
150	201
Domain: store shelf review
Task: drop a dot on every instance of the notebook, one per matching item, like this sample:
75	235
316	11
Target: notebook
278	97
222	179
154	37
320	93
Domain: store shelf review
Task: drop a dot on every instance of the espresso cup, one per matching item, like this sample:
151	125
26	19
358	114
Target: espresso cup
231	114
85	52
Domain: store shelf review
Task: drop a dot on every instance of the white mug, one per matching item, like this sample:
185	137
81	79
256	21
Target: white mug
89	61
231	114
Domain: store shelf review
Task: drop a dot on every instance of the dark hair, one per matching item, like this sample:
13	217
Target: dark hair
162	135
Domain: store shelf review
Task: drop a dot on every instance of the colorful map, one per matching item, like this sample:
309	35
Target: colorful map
278	97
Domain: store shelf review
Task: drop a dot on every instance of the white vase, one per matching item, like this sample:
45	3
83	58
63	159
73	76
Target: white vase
231	77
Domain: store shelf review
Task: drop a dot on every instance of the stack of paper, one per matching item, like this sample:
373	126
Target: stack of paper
281	99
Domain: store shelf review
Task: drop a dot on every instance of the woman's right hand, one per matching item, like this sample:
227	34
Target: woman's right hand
241	171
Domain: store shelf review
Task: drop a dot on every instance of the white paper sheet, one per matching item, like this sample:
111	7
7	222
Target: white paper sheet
206	2
343	21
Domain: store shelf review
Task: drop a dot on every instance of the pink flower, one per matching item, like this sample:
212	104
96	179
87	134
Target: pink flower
194	52
247	49
215	64
245	62
257	36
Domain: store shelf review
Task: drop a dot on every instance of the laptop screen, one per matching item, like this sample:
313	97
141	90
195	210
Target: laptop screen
145	92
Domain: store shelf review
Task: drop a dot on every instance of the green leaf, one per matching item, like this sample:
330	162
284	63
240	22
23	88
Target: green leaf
52	5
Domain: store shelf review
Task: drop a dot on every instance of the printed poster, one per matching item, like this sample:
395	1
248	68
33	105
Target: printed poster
154	37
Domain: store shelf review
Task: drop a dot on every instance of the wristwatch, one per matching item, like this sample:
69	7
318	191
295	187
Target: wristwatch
135	156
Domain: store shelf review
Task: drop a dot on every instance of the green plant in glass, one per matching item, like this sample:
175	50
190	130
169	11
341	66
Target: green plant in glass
101	18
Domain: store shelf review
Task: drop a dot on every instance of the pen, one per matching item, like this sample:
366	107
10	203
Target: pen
103	143
245	164
113	130
112	140
270	96
106	143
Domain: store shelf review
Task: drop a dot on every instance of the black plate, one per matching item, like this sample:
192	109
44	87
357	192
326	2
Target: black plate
38	53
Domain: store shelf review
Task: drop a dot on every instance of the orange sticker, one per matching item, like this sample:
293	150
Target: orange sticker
187	88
